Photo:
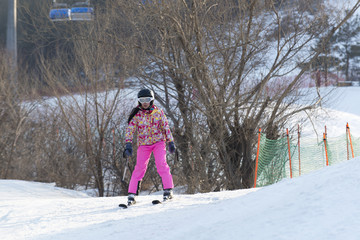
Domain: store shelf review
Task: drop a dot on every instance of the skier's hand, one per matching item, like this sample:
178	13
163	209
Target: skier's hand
128	150
171	147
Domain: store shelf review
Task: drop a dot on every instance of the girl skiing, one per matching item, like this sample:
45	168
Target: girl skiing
153	132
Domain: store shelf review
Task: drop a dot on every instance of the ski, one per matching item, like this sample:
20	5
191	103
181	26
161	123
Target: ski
154	202
123	206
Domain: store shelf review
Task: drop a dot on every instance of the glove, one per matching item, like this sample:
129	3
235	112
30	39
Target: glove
128	150
171	147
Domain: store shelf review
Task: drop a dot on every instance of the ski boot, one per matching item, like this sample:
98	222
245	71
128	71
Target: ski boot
168	194
131	199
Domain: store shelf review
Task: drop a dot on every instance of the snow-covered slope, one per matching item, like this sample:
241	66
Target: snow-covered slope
15	189
339	106
320	205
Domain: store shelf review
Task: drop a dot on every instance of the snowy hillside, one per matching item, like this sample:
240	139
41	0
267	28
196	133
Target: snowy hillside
321	205
340	106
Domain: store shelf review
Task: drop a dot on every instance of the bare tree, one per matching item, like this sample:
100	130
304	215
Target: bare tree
91	115
223	61
13	115
80	132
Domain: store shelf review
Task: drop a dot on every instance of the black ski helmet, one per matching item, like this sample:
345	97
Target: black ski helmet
146	93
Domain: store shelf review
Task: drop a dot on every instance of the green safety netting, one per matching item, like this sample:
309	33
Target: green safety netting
274	160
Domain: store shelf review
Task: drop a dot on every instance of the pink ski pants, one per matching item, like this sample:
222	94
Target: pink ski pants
143	157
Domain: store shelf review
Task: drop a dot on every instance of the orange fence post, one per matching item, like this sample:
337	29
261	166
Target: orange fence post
348	130
299	149
288	140
326	153
257	158
347	143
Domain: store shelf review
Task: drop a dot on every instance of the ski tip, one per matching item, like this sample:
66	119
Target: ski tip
156	202
121	205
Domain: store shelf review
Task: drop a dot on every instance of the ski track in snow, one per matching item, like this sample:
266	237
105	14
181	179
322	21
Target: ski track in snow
63	218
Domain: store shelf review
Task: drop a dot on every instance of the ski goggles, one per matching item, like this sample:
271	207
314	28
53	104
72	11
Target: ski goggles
145	99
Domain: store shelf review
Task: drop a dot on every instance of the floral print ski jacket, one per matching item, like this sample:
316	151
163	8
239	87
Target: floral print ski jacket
151	125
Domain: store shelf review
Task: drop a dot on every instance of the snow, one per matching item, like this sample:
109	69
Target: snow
321	205
338	107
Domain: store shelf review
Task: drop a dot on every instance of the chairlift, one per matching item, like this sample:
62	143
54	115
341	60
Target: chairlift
60	12
82	11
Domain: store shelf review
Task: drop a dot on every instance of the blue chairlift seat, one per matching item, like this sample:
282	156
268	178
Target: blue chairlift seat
60	12
82	11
